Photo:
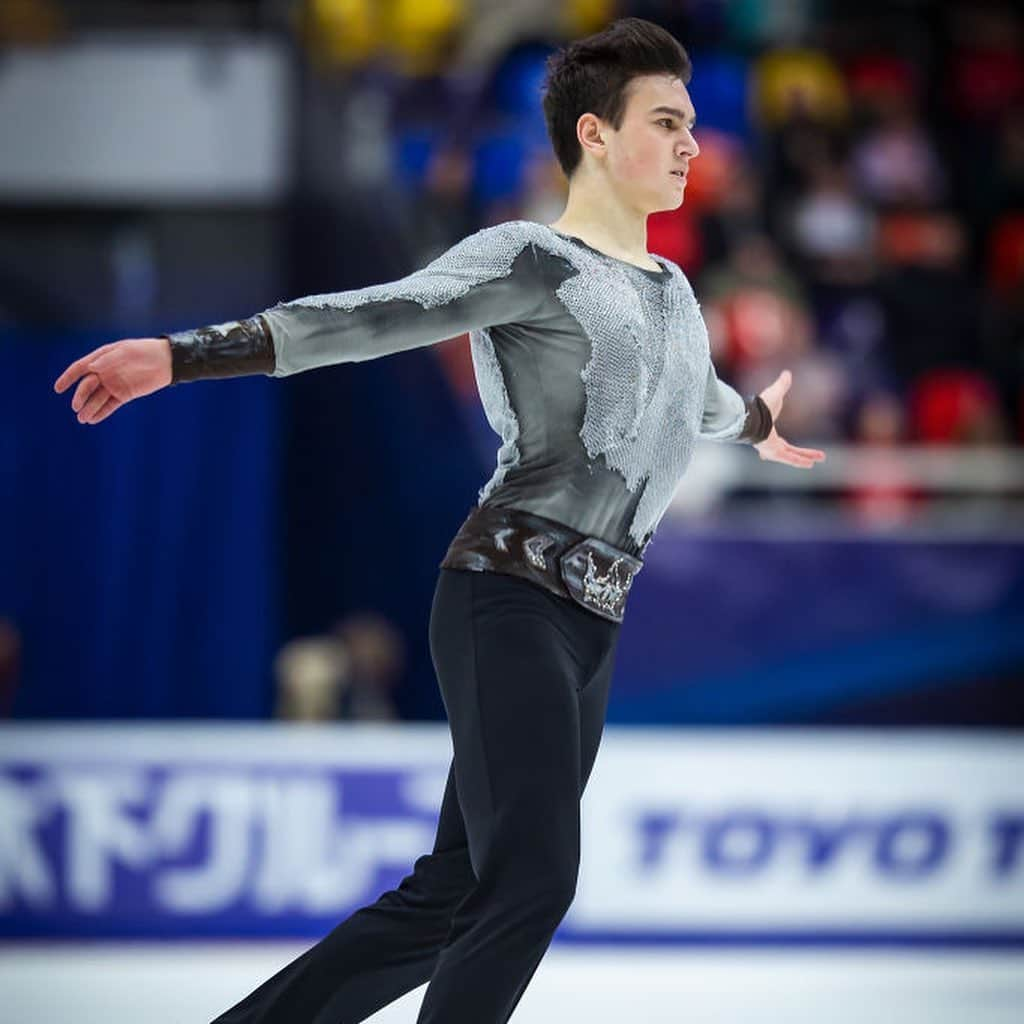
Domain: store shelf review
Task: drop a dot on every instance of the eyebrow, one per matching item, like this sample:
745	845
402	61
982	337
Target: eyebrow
675	112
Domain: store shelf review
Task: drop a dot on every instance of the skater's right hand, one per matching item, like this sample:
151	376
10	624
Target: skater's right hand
114	374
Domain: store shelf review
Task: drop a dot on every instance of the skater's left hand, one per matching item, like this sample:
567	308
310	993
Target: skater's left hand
775	448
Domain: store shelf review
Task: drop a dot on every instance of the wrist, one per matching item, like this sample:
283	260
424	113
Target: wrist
759	423
232	349
166	362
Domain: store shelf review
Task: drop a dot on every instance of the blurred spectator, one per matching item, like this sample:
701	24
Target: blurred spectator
1003	330
1006	189
801	107
1006	256
422	35
876	81
310	673
760	324
896	162
884	497
983	82
880	420
10	665
738	211
348	675
710	177
952	406
796	84
994	188
987	69
831	229
376	655
756	307
932	307
851	325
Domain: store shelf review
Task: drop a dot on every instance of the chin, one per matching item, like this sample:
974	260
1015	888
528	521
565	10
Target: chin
668	205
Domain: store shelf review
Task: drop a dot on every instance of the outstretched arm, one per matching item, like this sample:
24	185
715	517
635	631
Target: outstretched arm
489	278
775	448
728	417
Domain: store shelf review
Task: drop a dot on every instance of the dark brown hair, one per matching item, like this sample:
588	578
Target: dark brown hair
591	75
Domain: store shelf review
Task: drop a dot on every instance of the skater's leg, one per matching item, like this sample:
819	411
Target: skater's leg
593	707
511	661
381	951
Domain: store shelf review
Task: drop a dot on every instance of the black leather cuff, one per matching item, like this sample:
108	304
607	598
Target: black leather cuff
759	423
231	349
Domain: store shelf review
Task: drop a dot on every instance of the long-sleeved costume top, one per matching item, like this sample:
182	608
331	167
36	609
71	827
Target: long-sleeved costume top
595	373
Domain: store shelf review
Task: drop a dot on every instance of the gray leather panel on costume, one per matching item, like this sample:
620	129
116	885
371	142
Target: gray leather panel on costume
596	374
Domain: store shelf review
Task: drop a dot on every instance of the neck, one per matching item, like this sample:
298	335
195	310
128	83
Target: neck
602	219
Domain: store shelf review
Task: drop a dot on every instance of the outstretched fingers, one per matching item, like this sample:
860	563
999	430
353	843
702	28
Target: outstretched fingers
112	404
97	400
78	368
814	454
86	386
804	458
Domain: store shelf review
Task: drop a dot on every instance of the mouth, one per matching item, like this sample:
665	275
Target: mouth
679	174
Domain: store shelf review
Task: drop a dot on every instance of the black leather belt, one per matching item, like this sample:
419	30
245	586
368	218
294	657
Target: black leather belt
583	569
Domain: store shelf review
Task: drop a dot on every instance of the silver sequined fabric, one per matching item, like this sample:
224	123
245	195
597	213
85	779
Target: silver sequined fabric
490	383
557	331
479	257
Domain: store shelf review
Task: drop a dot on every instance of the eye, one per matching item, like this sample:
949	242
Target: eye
666	121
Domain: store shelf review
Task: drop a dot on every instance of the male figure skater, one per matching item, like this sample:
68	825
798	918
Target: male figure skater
593	365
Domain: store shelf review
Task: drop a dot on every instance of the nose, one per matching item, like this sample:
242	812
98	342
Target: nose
690	146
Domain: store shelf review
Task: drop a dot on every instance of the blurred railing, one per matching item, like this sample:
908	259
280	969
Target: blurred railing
890	487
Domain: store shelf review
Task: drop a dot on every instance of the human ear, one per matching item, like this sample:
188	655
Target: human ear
589	133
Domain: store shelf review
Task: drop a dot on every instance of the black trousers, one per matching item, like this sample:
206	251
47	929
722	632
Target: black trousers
524	675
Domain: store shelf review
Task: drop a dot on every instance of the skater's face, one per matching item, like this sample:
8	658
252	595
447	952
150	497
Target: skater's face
646	159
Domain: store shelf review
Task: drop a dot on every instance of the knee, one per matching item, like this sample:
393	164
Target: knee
552	893
438	882
557	903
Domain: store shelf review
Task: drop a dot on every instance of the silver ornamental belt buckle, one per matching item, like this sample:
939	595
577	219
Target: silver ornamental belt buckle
598	576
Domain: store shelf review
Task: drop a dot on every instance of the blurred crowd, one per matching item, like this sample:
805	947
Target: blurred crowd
347	674
856	214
